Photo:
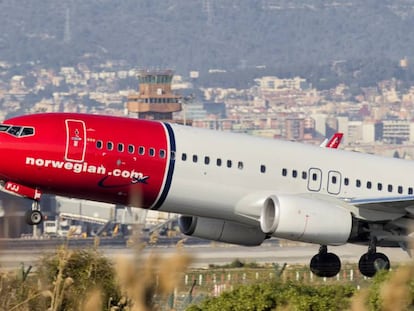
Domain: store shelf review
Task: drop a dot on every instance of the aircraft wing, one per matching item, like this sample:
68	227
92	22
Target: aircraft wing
385	208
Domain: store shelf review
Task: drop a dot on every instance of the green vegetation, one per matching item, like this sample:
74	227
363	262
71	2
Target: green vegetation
66	280
237	263
85	280
77	274
392	290
278	294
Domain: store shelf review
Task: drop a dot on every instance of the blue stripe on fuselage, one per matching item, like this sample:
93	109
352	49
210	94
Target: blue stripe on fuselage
170	168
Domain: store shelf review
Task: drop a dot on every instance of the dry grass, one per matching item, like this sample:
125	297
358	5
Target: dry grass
93	301
396	293
359	301
393	293
142	279
145	281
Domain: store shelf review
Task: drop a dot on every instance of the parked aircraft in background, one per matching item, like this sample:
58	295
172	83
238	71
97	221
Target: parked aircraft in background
228	187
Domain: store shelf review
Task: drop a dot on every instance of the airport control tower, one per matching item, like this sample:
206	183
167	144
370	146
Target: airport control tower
155	100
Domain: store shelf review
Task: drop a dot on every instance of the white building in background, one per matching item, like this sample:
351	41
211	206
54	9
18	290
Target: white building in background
320	123
412	132
368	132
396	131
343	128
354	132
275	83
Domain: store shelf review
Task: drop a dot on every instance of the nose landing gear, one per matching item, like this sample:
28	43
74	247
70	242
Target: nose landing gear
34	216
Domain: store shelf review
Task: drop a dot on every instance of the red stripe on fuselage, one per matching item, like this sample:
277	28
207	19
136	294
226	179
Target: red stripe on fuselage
120	175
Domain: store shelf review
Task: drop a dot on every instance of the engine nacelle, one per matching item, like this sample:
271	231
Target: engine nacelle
306	219
221	230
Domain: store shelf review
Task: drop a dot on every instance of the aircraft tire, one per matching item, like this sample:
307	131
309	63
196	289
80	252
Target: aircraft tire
33	217
369	264
325	265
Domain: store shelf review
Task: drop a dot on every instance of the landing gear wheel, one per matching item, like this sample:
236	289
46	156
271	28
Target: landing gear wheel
370	263
325	265
33	217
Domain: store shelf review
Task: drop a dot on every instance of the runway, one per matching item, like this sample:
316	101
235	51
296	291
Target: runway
204	254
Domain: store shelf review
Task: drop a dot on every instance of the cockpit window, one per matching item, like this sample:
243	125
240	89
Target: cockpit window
27	131
4	128
18	131
14	130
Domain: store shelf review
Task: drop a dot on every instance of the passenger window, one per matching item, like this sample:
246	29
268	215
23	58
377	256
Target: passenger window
334	179
379	186
151	152
99	144
358	183
120	147
195	158
346	181
110	145
294	173
400	189
172	155
206	160
410	190
229	163
218	162
184	157
240	165
389	188
162	153
304	175
262	168
141	150
284	172
314	177
131	148
369	185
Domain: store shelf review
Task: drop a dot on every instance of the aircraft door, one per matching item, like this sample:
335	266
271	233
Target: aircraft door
314	179
334	182
75	140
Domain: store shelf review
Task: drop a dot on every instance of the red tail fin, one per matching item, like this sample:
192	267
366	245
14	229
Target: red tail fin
334	141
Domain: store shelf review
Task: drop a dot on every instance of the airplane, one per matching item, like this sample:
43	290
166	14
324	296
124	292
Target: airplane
227	187
332	142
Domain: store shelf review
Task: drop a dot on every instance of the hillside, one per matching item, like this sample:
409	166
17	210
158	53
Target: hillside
203	34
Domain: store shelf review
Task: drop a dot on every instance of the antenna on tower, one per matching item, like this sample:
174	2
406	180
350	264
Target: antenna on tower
209	11
67	35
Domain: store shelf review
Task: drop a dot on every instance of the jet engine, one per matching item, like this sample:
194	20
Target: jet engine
306	219
221	230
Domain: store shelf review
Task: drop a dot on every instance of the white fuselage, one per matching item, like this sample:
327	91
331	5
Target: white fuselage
273	167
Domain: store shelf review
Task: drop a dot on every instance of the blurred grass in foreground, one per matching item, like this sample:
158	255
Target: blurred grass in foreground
85	280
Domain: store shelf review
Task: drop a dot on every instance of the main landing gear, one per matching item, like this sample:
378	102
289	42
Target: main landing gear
371	261
326	264
34	216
